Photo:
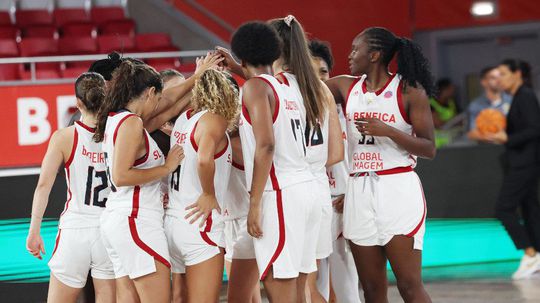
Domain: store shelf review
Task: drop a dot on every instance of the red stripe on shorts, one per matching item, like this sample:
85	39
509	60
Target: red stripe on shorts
57	241
415	230
281	239
142	245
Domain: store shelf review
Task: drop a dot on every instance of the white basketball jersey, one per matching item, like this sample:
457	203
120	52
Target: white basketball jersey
339	172
316	139
87	182
237	196
289	165
185	186
368	153
138	200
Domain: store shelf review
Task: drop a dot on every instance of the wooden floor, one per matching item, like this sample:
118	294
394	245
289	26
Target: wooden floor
480	283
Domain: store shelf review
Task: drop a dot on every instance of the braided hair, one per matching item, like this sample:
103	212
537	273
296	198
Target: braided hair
413	66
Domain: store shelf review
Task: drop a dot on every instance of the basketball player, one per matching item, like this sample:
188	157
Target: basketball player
79	247
132	224
282	218
322	131
239	244
337	280
194	225
389	124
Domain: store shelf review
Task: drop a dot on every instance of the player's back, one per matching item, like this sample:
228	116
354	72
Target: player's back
139	199
185	186
86	178
316	138
289	164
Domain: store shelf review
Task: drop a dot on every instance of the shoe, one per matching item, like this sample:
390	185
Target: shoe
527	267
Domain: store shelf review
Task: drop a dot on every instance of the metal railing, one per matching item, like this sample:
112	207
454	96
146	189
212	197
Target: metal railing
74	58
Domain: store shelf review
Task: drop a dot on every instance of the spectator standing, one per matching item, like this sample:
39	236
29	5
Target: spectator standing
443	105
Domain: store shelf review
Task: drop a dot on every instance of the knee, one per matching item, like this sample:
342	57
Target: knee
373	290
408	288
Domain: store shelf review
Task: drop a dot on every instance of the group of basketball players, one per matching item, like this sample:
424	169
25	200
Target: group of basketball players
256	177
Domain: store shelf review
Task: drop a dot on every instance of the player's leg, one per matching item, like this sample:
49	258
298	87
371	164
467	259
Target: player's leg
343	276
203	280
126	291
322	281
105	290
280	290
155	287
406	264
370	264
244	282
179	294
60	292
301	288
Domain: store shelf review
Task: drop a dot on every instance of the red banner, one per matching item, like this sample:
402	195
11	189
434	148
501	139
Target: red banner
30	114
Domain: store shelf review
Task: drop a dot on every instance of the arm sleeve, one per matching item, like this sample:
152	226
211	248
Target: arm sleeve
529	110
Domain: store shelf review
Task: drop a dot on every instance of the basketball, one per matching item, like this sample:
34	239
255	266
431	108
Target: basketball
490	121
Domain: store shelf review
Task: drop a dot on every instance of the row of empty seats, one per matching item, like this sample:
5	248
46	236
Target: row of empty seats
66	22
74	31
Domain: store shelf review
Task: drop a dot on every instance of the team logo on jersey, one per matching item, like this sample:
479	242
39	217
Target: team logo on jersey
388	95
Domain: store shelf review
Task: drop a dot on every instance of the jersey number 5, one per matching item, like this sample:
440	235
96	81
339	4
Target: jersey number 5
89	187
368	140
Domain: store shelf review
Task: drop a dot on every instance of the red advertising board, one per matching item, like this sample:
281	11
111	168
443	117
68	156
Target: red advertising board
29	116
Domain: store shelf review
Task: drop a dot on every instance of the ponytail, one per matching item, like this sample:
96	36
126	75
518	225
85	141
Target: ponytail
296	54
128	82
413	66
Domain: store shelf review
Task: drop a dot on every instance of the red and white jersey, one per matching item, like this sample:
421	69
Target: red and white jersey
185	186
339	172
316	139
87	182
368	153
289	164
237	196
138	200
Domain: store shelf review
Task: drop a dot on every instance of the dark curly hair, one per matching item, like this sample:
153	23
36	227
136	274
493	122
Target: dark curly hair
413	66
256	43
322	50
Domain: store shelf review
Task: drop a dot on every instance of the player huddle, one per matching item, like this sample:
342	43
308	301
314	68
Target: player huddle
257	176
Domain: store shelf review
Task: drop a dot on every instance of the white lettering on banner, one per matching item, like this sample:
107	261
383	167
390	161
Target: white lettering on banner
32	123
63	104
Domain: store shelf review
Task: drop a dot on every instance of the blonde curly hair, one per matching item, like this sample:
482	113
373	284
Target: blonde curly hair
214	92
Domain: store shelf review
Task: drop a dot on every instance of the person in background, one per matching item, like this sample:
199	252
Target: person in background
520	184
493	97
443	105
336	278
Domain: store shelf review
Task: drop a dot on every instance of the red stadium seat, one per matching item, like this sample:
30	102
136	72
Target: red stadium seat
74	71
79	29
33	17
8	48
9	32
164	63
187	68
63	16
117	27
5	18
31	47
121	44
40	31
77	46
109	13
153	42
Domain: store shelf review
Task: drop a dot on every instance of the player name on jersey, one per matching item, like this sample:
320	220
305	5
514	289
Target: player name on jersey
93	157
385	117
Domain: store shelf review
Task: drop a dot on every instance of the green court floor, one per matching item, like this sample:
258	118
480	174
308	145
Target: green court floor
453	249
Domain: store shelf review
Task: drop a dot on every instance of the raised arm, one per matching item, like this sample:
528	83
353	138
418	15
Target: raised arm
229	62
57	153
128	147
209	135
257	97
